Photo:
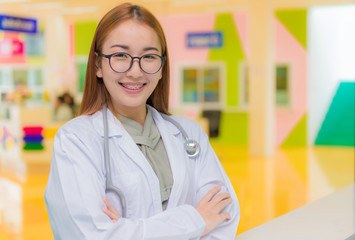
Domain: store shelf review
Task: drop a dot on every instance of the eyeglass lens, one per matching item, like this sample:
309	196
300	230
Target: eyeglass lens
149	63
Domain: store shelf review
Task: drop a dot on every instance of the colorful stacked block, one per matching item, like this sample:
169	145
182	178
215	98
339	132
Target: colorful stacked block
33	138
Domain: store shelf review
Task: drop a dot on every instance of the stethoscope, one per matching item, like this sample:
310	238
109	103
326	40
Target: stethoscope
191	146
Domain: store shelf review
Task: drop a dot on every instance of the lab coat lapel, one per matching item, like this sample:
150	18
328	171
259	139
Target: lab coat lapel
130	149
176	153
115	128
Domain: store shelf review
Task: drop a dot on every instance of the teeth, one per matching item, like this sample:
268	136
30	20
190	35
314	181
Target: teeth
132	87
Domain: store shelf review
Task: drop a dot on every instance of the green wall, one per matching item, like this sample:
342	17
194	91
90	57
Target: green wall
298	136
234	126
84	33
295	20
231	53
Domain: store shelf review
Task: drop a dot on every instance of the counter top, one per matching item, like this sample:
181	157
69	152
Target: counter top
331	217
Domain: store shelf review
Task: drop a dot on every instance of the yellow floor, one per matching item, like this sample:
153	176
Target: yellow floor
266	187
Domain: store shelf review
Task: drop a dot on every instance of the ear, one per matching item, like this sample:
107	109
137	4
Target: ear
98	66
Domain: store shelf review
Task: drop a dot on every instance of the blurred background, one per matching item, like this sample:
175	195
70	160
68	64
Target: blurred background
271	81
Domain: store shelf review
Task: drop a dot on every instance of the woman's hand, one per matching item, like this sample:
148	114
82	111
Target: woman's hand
110	211
210	208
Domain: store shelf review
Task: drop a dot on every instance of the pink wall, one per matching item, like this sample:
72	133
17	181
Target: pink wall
241	21
13	59
288	50
176	29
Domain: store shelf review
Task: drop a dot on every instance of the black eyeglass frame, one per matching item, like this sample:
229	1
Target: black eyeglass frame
132	59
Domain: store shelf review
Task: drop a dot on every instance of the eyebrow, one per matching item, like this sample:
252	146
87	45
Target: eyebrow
127	48
120	46
151	48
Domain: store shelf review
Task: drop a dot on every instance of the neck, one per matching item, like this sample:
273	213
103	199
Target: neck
137	114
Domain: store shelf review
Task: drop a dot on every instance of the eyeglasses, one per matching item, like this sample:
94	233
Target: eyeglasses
121	62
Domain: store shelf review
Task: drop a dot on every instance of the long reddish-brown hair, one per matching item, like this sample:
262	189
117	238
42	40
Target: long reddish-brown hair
95	93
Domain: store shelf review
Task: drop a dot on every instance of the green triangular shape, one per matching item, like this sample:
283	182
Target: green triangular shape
298	136
296	22
231	53
338	125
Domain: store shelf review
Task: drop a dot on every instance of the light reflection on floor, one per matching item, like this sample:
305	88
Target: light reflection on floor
270	187
10	206
266	187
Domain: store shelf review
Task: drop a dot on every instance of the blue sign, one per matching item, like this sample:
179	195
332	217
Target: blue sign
205	40
9	23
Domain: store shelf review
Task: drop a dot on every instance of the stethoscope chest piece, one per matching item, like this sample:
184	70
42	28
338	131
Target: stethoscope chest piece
192	148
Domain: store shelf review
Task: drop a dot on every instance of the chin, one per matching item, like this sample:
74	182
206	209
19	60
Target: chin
130	104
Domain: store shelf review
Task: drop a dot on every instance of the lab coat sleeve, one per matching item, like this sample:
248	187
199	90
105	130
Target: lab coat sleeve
74	193
209	174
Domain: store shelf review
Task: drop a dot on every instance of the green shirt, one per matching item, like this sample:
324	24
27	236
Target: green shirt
151	144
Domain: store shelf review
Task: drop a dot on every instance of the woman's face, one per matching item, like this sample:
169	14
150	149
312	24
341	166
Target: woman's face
130	90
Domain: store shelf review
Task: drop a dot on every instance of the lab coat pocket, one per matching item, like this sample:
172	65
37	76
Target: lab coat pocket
128	183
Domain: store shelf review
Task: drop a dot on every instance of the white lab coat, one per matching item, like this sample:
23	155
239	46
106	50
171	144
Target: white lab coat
76	184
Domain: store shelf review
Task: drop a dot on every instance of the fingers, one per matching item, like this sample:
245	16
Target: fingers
211	193
220	201
225	216
221	197
109	214
223	203
210	208
110	210
213	197
109	206
214	200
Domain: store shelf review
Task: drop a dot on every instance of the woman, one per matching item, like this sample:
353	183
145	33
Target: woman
168	194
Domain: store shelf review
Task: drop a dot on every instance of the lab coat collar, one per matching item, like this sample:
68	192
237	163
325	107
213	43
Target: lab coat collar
159	121
116	128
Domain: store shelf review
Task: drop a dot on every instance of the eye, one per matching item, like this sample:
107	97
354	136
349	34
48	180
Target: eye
120	56
150	57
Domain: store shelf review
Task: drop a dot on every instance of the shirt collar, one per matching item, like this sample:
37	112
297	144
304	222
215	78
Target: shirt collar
115	127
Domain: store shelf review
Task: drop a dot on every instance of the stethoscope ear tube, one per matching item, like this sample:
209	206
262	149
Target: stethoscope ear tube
109	185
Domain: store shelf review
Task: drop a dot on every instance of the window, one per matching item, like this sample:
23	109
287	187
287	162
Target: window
201	84
190	88
282	85
35	83
21	83
243	85
6	84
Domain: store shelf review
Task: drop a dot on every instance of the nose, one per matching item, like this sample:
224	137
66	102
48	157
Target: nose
135	71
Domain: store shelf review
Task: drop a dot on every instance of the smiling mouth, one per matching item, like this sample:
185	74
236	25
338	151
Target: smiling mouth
132	86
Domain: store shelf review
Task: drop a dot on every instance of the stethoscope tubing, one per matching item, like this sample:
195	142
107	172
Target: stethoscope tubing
191	146
109	185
